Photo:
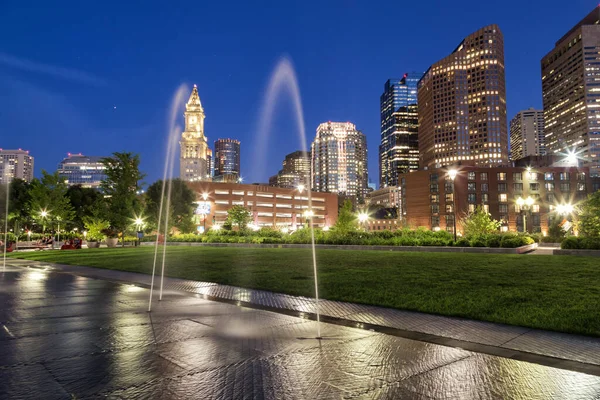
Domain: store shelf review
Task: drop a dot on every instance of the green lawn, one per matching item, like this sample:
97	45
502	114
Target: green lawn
559	293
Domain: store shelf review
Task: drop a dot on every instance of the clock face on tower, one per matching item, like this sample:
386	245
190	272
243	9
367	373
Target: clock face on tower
192	120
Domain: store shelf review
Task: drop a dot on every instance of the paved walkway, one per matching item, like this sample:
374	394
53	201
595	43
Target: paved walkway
574	352
66	336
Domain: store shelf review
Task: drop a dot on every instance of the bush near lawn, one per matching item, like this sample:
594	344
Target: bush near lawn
579	242
403	237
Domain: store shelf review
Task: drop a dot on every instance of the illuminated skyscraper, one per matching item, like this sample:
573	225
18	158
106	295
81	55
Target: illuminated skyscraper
193	164
399	148
462	104
15	164
295	171
527	134
86	171
571	93
227	158
339	160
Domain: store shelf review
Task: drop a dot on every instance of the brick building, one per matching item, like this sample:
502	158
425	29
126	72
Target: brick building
269	206
431	199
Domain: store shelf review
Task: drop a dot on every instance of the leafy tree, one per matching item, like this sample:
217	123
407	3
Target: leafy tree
120	188
589	216
181	209
19	198
346	221
95	226
84	202
238	215
555	229
479	222
48	202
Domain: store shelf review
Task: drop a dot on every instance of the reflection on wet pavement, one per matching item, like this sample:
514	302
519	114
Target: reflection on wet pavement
64	336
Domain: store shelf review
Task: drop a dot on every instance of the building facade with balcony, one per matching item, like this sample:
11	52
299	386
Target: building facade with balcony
269	206
339	160
432	200
87	171
527	136
571	92
462	104
15	164
295	171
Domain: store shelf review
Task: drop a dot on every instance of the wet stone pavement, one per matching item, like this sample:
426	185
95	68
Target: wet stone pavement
64	336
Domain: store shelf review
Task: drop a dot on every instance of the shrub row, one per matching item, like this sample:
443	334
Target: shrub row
383	238
578	242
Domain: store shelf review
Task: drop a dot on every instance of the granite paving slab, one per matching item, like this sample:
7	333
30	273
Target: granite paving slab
190	346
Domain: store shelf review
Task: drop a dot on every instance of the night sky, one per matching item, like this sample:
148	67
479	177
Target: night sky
98	77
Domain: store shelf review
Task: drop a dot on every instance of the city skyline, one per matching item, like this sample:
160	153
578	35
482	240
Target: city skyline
100	125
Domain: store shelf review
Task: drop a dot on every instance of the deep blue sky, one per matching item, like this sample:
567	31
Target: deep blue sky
64	68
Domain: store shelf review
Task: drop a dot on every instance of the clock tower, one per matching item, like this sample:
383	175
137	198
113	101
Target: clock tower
193	164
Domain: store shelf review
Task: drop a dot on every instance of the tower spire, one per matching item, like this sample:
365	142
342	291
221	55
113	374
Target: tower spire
194	100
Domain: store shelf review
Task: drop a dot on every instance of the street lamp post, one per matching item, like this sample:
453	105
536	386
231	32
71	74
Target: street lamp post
205	197
138	223
525	206
363	217
44	214
58	232
452	175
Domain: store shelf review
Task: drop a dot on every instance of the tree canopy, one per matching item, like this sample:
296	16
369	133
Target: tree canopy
238	215
479	222
589	216
181	205
48	200
121	186
346	220
84	201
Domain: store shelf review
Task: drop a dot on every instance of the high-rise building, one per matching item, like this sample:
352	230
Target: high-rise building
399	148
194	149
339	160
571	93
462	104
227	158
15	164
87	171
210	161
527	134
295	171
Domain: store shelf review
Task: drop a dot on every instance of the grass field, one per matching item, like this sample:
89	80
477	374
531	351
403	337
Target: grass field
558	293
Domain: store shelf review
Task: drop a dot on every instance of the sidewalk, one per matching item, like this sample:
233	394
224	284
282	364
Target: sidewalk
566	351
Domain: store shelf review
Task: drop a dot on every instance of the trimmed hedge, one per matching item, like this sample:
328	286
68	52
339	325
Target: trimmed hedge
583	243
404	237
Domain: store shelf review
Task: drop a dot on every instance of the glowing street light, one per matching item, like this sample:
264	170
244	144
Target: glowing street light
205	196
44	214
571	158
452	175
309	214
363	217
139	223
565	209
301	188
